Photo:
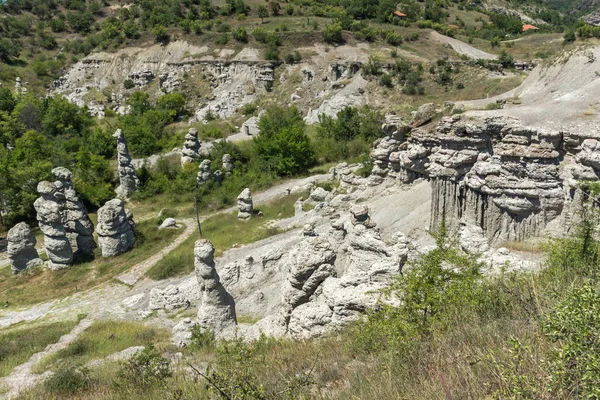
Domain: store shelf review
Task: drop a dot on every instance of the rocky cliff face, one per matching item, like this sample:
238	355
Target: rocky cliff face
509	179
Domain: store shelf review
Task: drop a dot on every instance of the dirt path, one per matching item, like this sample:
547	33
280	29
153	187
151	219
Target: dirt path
137	271
462	47
22	377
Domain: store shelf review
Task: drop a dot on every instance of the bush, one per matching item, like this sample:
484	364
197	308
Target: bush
386	80
332	33
506	59
68	381
240	35
292	58
161	34
222	39
282	146
128	84
144	369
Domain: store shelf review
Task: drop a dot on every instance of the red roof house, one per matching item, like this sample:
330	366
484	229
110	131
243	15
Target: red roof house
528	27
399	15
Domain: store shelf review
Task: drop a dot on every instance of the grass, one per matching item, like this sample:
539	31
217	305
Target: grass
17	345
40	284
225	231
100	340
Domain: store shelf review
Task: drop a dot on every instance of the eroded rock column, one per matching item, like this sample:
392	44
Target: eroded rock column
204	174
21	248
191	147
216	311
245	204
49	216
78	225
128	178
115	228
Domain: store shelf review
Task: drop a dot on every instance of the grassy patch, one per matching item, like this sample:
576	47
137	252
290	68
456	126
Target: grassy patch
17	345
41	284
100	340
225	231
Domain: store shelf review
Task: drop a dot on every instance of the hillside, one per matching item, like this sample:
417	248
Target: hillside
242	199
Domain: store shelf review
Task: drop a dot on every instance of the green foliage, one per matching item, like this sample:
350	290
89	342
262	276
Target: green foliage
68	381
506	59
161	34
332	33
441	280
201	338
240	34
144	369
386	80
282	146
62	117
573	326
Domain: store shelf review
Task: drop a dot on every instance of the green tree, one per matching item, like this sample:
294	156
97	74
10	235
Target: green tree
262	13
172	103
7	100
361	9
506	59
275	8
333	33
240	34
282	146
8	50
161	34
62	117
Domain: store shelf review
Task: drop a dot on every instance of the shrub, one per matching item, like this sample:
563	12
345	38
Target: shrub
161	34
201	338
332	33
222	39
282	146
506	59
128	84
573	326
386	80
144	369
240	35
68	381
248	109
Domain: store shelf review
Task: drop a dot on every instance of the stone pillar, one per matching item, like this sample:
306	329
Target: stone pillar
129	180
115	228
245	204
204	173
216	311
191	147
78	225
21	248
49	216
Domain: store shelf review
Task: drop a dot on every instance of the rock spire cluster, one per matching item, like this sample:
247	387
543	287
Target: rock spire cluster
129	180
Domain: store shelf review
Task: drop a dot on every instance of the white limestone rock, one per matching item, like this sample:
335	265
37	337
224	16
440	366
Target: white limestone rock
128	178
115	229
21	248
245	204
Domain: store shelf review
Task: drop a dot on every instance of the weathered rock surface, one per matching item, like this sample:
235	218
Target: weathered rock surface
191	147
128	178
50	220
21	248
169	223
204	174
115	228
423	115
227	162
491	172
78	226
245	205
175	297
216	311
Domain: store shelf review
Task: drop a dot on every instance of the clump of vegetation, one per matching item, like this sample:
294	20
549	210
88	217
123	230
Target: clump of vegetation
144	369
68	381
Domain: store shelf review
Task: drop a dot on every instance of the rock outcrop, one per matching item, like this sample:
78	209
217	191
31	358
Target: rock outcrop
245	204
75	219
423	115
216	311
21	248
491	172
50	220
191	147
128	178
115	228
204	174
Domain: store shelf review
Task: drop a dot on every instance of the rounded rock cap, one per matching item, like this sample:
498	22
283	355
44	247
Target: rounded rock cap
204	251
62	173
45	187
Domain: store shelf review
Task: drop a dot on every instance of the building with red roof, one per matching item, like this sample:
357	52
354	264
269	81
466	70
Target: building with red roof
528	27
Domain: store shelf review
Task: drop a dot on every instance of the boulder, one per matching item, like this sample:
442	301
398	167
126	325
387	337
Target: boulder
115	228
169	223
21	248
423	115
227	162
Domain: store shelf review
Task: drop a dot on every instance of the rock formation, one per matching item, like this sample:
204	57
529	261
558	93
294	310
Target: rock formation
216	311
21	248
491	172
115	229
127	176
204	174
191	147
49	216
75	218
227	164
423	115
245	205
